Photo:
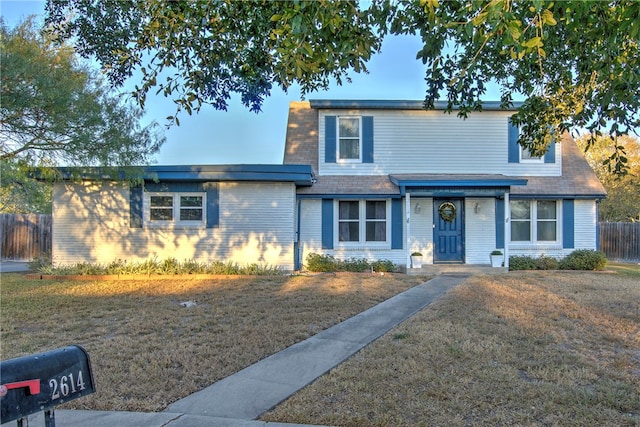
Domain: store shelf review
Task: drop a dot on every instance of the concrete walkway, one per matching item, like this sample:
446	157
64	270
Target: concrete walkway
238	400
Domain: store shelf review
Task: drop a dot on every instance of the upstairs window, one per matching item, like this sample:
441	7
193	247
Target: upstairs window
518	154
349	139
526	156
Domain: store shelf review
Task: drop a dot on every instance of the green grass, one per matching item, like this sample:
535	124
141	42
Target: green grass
627	269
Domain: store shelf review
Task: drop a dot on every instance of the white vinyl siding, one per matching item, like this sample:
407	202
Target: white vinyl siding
92	224
311	228
480	230
585	223
421	226
434	142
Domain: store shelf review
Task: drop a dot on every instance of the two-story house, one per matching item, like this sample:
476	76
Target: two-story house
392	178
363	179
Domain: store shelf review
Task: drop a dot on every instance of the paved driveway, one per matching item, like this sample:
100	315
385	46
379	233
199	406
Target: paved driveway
10	266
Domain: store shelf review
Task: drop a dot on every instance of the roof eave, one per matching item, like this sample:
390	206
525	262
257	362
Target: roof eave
301	175
506	182
384	104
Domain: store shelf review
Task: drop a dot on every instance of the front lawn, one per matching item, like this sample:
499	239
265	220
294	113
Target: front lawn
148	351
528	349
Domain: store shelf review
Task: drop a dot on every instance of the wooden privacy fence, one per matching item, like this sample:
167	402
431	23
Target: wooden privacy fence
24	236
620	241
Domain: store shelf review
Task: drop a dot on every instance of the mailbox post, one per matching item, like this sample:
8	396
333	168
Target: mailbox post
39	382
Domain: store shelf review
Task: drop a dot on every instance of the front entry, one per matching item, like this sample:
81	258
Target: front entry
448	231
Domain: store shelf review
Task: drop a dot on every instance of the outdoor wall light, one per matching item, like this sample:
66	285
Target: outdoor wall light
477	208
418	208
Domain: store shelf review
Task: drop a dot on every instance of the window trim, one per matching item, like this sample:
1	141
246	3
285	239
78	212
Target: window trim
362	221
339	139
175	222
533	223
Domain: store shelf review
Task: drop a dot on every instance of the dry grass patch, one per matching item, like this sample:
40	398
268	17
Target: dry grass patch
535	349
148	351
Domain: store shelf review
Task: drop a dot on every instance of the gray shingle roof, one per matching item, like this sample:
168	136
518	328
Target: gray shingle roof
578	179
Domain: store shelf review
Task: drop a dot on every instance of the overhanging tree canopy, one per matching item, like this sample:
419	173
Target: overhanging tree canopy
576	62
56	111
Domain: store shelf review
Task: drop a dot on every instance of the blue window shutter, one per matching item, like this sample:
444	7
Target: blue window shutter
550	155
499	223
367	139
568	221
135	207
330	139
327	223
396	224
514	148
213	204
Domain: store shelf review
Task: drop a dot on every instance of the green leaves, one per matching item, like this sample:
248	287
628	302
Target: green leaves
580	58
623	190
547	17
56	111
575	62
217	48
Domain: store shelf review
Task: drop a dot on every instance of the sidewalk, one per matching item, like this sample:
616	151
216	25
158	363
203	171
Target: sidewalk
239	399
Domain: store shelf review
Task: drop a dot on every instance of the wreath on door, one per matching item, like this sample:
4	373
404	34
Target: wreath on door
447	211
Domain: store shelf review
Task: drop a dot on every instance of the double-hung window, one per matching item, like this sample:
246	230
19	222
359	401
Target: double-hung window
349	144
361	221
534	220
185	209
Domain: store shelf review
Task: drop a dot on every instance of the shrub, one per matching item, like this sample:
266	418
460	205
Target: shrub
547	263
522	262
326	263
321	263
39	262
168	266
383	266
584	259
355	265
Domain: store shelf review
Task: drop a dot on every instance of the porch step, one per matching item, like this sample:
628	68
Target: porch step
452	269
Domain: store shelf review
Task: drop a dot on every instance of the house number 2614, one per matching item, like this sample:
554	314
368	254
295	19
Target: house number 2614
65	385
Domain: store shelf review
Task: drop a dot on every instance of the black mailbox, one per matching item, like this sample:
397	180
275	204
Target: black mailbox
38	382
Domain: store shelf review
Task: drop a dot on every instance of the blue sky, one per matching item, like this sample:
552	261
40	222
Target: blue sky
238	136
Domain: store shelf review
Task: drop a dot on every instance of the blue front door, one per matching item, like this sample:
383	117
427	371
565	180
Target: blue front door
448	236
